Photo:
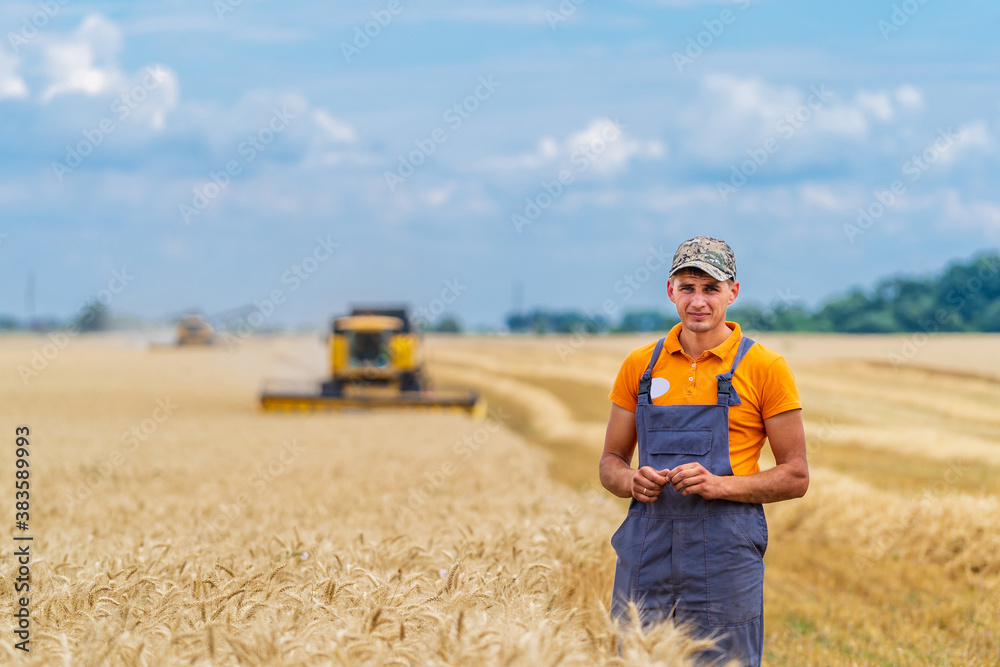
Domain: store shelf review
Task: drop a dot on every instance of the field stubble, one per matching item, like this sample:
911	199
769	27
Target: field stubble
893	557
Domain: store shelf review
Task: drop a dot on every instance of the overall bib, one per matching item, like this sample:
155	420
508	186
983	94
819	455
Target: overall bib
698	561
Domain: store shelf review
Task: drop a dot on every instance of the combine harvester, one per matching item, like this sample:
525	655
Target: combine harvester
194	330
375	362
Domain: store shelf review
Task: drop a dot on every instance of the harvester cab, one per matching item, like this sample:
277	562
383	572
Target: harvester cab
373	348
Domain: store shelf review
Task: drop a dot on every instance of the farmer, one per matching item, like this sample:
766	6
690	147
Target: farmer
701	401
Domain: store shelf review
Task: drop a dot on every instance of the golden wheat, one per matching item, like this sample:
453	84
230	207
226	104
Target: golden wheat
176	524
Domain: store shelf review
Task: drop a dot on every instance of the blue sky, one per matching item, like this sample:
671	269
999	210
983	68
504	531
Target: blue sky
772	133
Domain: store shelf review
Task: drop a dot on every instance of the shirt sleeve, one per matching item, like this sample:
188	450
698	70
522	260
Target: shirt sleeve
780	393
625	390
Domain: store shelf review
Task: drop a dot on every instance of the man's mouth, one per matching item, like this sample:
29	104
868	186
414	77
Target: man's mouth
698	316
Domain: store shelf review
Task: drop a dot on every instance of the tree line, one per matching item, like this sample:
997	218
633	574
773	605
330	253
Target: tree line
964	297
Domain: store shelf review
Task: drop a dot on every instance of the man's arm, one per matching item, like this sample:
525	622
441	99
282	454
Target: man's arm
789	478
617	474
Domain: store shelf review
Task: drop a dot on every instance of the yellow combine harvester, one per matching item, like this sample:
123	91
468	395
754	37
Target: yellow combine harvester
194	330
375	362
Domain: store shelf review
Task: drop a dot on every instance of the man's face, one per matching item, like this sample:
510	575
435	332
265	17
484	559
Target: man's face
701	300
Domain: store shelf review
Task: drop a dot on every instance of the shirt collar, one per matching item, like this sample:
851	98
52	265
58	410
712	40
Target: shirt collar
673	342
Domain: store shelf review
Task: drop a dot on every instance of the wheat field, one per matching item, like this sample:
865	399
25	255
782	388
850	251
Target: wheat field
174	523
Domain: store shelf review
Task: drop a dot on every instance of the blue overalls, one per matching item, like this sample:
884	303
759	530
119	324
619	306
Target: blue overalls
698	561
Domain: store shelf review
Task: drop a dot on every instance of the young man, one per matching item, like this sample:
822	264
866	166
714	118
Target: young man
704	399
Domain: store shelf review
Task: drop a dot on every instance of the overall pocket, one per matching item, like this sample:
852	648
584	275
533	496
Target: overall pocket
669	448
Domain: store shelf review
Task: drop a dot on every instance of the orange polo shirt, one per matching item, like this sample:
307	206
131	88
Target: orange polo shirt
763	381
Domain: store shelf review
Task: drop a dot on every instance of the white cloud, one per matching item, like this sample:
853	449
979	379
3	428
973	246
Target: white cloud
335	130
731	115
877	104
821	196
909	97
603	146
974	136
11	84
842	120
85	61
438	196
150	95
981	215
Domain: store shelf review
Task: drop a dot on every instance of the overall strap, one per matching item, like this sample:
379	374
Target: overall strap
726	394
647	378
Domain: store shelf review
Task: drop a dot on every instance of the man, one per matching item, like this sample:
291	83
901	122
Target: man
704	399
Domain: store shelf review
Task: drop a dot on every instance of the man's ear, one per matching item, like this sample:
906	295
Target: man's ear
670	290
734	292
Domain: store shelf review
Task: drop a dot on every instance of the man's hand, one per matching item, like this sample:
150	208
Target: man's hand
693	478
647	483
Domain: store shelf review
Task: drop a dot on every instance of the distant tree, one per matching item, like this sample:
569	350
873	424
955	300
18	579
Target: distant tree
644	321
795	318
964	297
544	321
448	324
989	318
8	323
93	317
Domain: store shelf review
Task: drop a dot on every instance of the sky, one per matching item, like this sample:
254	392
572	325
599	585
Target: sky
304	156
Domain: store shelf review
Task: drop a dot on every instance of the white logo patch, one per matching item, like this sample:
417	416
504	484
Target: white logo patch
659	387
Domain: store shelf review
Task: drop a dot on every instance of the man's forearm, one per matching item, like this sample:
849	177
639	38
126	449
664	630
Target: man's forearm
782	482
616	475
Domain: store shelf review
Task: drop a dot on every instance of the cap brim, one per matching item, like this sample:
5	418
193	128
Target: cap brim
713	271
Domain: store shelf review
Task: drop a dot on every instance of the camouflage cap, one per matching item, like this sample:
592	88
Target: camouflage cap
713	256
